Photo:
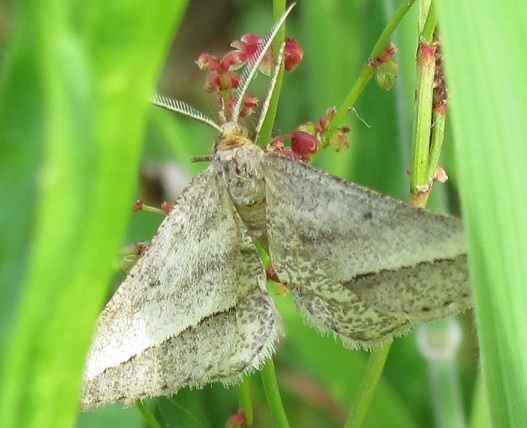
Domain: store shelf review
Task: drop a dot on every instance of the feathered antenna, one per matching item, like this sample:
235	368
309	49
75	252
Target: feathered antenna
252	66
246	78
184	109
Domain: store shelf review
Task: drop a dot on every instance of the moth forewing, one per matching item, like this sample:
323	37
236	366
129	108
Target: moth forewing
361	265
193	310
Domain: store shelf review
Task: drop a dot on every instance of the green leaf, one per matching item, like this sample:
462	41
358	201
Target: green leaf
74	93
484	46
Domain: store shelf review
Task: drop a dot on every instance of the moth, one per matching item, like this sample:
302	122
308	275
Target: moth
195	308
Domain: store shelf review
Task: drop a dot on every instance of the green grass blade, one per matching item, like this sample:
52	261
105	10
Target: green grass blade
87	103
484	45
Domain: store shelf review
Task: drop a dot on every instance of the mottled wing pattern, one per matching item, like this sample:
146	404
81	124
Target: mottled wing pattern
360	265
194	309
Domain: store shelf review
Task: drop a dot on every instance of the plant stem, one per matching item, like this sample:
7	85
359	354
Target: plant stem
368	70
244	399
436	145
267	126
273	395
367	387
148	416
420	184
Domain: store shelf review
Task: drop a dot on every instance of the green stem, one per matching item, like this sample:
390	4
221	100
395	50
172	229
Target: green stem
148	416
419	180
429	27
273	395
268	124
367	387
368	70
438	136
244	399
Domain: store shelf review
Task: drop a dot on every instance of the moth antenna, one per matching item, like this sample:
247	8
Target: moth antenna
180	107
265	106
195	159
252	67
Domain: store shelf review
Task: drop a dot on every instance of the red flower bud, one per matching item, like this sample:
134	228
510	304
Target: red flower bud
293	54
304	144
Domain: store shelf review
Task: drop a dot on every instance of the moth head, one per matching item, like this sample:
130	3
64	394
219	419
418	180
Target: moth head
232	135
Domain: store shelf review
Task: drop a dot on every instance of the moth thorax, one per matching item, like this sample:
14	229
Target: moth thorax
232	136
244	176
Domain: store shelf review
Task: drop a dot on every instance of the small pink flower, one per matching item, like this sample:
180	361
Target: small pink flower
208	62
250	102
212	83
339	141
248	44
233	60
231	80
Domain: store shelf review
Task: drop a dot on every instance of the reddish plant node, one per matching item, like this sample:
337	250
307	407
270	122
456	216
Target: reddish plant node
140	248
239	420
167	206
425	51
231	80
271	274
386	55
250	101
138	206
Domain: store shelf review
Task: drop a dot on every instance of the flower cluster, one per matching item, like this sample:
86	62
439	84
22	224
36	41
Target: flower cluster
223	77
308	137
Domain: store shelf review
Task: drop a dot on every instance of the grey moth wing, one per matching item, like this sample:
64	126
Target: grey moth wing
360	265
194	309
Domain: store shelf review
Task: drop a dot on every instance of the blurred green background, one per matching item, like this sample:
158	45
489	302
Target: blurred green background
79	143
